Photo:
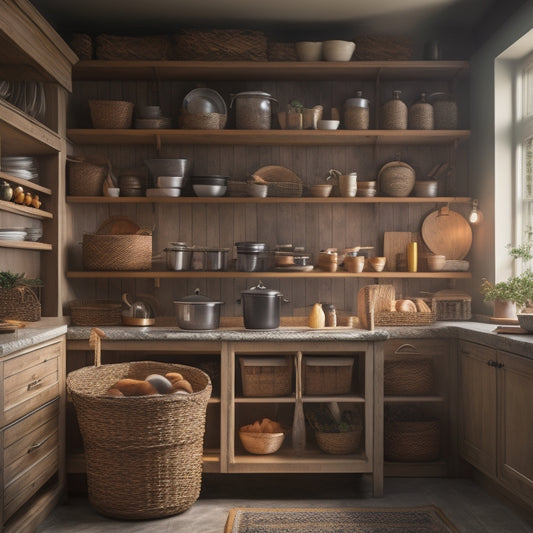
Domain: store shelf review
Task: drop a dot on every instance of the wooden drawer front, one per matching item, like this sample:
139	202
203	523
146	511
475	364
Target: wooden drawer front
416	346
30	380
31	455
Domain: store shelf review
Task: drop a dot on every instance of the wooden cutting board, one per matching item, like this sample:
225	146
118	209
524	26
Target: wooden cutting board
394	243
447	233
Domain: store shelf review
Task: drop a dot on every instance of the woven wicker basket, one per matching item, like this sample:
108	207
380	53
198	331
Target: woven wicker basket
408	376
382	47
412	441
339	443
111	114
237	188
117	47
396	179
144	453
221	45
95	313
19	303
202	121
266	380
397	318
117	252
82	45
321	377
281	51
86	178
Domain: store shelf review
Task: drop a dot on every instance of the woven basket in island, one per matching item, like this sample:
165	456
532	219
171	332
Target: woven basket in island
340	443
408	376
143	453
412	440
117	252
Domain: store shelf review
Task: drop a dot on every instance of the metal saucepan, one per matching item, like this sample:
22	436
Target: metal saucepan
261	307
198	312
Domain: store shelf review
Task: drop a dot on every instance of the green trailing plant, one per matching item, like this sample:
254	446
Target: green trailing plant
9	280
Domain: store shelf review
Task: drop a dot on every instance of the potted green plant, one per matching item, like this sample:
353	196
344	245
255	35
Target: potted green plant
18	300
516	291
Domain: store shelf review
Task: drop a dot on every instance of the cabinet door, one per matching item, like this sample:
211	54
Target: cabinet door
477	407
515	451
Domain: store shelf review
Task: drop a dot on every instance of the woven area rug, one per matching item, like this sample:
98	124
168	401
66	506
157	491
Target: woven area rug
427	519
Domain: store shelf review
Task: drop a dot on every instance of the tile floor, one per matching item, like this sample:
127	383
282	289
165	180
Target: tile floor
471	508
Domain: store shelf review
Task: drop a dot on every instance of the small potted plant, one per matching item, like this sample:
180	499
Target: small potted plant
18	300
516	291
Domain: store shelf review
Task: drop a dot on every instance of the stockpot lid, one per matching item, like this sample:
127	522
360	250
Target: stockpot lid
358	101
261	290
198	298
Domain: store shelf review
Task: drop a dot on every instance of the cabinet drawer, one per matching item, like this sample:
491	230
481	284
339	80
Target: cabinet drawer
30	455
416	346
30	380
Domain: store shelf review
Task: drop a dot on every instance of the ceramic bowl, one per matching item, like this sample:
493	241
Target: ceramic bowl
261	443
170	192
526	321
308	51
257	190
436	262
377	263
149	111
426	188
113	191
328	124
338	50
169	181
209	190
321	190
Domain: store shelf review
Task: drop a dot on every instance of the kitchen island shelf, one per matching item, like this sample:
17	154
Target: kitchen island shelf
268	200
26	245
306	399
264	137
267	70
94	274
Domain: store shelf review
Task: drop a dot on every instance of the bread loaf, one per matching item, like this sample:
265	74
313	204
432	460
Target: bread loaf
422	306
113	392
134	387
182	385
173	376
406	306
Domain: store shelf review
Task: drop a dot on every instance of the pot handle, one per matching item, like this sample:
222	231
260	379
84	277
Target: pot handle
125	299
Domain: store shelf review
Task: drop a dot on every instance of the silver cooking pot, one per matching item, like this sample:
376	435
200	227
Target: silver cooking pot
178	257
198	312
261	307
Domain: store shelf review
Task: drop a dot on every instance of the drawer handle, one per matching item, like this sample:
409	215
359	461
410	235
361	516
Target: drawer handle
406	349
35	384
37	445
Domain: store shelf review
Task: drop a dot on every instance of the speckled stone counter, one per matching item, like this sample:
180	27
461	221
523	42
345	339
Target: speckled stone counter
34	333
471	331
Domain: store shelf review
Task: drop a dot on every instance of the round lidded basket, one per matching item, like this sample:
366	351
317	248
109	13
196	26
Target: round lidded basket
396	179
144	453
111	114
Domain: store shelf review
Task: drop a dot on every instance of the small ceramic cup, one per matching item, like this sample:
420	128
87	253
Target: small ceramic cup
348	185
309	51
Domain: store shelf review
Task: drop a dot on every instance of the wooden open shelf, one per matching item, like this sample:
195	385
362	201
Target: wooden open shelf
26	245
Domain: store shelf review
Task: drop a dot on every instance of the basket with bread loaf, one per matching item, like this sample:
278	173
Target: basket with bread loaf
262	437
378	306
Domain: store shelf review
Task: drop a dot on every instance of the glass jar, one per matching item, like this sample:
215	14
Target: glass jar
394	113
252	110
357	112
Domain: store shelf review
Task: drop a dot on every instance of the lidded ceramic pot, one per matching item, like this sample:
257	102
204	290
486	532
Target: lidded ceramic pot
421	114
394	113
357	112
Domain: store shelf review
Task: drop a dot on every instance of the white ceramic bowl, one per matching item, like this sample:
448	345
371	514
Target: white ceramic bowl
257	190
113	191
209	190
328	124
309	50
168	192
338	50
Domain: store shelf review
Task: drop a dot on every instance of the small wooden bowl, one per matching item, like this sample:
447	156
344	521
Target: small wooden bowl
435	262
284	259
321	190
377	263
261	443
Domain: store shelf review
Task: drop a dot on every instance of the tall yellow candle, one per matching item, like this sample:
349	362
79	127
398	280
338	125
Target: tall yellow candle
412	256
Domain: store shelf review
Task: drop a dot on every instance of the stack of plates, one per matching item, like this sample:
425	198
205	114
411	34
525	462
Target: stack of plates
26	95
33	234
12	234
150	117
20	167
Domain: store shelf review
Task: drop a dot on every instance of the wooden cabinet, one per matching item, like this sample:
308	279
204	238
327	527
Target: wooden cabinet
419	384
32	434
496	424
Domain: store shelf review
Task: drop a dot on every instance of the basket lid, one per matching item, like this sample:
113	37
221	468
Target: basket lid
263	361
328	361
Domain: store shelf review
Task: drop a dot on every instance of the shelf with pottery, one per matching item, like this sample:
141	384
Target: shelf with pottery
268	200
158	137
265	70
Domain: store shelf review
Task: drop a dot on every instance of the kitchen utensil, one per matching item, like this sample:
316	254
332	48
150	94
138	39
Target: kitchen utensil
205	190
211	259
261	307
251	256
298	423
198	312
377	263
435	262
169	181
169	167
138	313
357	112
321	190
257	190
447	233
426	188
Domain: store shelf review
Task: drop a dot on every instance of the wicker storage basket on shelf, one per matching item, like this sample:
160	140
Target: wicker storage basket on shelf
95	313
412	440
19	303
118	47
451	304
339	443
281	51
382	47
221	45
143	453
82	45
86	177
202	121
396	179
111	114
263	377
408	376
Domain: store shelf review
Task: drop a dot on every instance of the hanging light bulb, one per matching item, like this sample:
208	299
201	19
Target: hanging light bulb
476	215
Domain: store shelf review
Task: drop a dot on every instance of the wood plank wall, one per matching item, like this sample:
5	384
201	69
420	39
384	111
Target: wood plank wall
313	226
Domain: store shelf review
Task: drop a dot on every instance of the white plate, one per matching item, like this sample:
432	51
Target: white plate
204	101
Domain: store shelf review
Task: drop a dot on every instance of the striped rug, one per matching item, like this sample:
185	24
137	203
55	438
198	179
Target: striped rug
426	519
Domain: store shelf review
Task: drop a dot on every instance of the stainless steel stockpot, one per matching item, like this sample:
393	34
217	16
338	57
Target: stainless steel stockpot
261	307
198	312
178	257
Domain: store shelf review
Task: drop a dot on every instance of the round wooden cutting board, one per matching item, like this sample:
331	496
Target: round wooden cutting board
447	233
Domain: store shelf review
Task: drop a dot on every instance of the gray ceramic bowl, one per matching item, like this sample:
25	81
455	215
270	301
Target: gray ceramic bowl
526	321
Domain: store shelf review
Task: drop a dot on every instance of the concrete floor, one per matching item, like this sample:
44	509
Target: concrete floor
471	508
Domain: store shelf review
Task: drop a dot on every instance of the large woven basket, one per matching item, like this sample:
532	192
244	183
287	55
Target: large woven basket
397	318
221	45
119	47
86	177
111	114
19	303
281	51
412	440
143	453
382	47
82	45
396	179
408	376
117	252
95	313
339	443
202	121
